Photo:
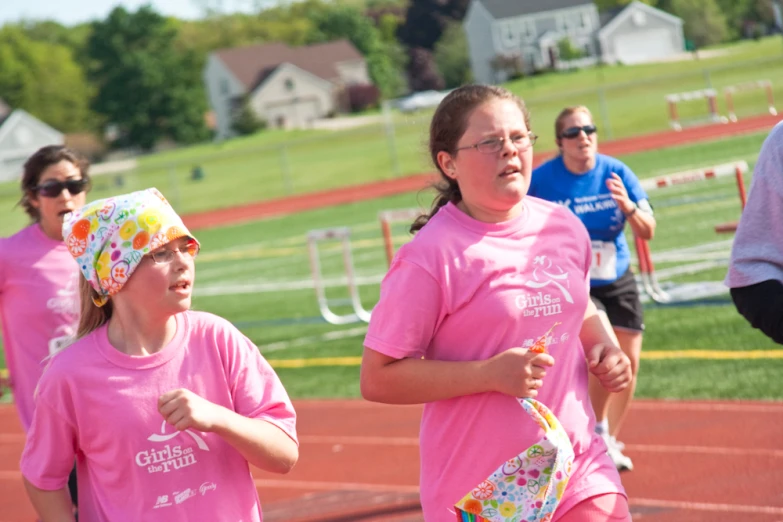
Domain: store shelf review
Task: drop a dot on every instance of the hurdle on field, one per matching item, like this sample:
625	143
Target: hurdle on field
644	256
387	218
731	90
710	95
342	234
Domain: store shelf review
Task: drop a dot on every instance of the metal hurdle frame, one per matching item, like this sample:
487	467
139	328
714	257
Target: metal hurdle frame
729	92
343	234
647	274
387	217
710	95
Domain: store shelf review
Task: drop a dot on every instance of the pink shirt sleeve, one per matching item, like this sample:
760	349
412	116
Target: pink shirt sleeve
256	390
50	447
408	313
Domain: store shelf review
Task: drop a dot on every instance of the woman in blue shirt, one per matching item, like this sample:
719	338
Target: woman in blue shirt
605	194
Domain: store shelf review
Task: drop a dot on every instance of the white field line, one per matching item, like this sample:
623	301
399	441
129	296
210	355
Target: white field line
408	488
333	486
689	208
298	264
702	247
347	440
707	506
300	284
693	268
704	256
271	252
314	339
739	407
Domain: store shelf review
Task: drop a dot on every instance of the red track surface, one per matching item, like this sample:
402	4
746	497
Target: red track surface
290	205
695	462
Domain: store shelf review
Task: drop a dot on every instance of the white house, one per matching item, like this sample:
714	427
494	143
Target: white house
288	87
504	35
21	134
640	33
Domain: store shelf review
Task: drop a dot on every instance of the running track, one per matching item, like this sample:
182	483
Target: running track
695	462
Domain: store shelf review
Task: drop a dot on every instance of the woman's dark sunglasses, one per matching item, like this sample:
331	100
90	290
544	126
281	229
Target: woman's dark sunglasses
53	187
573	132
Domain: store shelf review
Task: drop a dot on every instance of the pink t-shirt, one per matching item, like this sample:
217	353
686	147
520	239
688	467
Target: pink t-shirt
99	406
464	290
39	306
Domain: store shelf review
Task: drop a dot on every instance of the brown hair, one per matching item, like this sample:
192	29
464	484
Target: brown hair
36	164
448	125
91	316
565	113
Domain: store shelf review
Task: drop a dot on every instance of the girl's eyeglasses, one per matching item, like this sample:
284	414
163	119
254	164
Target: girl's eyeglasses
493	145
573	132
53	188
163	257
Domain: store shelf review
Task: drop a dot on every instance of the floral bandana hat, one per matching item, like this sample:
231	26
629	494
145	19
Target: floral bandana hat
109	237
529	486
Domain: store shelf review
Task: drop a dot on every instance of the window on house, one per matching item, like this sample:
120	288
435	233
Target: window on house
507	34
562	24
586	21
223	86
289	84
527	29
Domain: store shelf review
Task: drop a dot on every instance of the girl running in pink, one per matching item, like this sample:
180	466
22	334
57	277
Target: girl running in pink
162	407
488	273
39	282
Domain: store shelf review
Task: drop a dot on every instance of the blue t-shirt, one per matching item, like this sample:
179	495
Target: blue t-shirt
587	196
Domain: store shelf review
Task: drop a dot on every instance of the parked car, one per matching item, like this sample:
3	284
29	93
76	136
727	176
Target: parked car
421	100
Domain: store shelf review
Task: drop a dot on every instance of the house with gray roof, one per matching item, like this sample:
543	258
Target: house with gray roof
288	87
525	34
21	134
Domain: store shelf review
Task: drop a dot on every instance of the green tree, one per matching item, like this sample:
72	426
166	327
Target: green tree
43	79
49	31
245	121
147	88
567	50
704	22
344	21
451	56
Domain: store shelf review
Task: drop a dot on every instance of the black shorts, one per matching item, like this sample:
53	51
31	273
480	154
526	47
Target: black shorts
620	300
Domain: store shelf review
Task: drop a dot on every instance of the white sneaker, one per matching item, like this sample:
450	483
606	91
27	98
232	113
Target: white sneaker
614	450
617	444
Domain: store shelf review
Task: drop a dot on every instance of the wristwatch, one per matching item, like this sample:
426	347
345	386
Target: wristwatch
631	213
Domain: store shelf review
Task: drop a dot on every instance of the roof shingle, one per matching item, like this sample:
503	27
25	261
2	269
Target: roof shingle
251	65
500	9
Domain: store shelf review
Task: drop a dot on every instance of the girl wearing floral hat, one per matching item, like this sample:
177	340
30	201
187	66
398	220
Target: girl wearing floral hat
163	408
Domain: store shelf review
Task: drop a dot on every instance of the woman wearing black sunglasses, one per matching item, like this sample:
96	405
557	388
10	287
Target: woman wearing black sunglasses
605	194
39	290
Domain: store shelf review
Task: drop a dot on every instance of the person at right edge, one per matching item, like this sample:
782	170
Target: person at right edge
605	194
755	276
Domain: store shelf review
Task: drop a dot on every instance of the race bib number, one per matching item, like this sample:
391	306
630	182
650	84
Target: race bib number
604	264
